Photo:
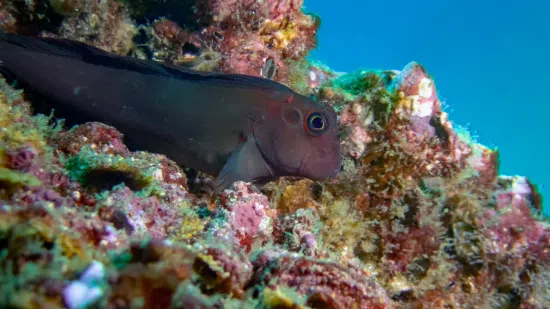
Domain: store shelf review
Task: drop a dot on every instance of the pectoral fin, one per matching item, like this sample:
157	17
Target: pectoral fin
246	163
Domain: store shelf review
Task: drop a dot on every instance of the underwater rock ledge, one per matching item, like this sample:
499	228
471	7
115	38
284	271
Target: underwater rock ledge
419	216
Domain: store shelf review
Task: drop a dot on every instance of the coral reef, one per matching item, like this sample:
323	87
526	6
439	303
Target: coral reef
419	216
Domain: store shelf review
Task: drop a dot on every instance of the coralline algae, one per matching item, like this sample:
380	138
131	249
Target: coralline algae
419	216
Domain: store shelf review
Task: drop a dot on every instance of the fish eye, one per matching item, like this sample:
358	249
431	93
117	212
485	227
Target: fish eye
316	123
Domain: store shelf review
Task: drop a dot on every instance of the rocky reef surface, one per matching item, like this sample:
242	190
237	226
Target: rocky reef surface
419	216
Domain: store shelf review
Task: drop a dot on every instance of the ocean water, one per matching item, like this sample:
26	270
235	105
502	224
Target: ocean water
490	60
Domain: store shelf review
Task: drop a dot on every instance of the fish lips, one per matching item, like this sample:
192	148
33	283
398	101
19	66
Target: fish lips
321	168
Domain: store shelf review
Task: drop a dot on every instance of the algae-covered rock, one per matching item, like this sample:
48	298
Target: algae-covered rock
418	217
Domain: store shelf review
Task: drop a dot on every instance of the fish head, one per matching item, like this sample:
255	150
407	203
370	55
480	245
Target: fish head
300	137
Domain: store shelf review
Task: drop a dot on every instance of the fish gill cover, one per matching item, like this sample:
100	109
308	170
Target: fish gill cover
418	217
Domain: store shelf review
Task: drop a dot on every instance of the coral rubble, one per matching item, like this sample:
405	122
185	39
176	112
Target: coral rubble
419	216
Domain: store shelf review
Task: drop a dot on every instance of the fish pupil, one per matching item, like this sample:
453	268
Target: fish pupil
317	123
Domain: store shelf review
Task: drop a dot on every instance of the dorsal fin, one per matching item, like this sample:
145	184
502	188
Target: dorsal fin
82	51
93	55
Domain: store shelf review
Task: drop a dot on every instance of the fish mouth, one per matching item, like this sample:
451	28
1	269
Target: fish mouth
321	169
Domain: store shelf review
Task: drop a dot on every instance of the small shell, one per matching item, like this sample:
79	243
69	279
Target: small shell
218	36
206	61
269	70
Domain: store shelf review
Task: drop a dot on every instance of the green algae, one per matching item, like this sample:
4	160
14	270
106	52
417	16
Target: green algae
296	72
120	259
18	128
297	69
46	261
14	179
105	171
283	297
358	83
371	87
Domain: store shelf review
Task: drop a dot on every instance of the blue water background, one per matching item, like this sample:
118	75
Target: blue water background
490	60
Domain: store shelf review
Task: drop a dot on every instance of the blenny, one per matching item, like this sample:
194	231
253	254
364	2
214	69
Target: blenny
232	126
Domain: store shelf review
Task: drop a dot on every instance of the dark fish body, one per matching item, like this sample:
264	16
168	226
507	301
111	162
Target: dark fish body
233	126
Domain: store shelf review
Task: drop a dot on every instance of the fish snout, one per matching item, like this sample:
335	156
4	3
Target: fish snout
325	163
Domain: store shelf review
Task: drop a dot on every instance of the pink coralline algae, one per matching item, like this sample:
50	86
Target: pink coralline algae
511	226
248	214
247	37
419	216
20	159
144	215
273	8
317	75
39	196
97	135
358	135
325	284
227	265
